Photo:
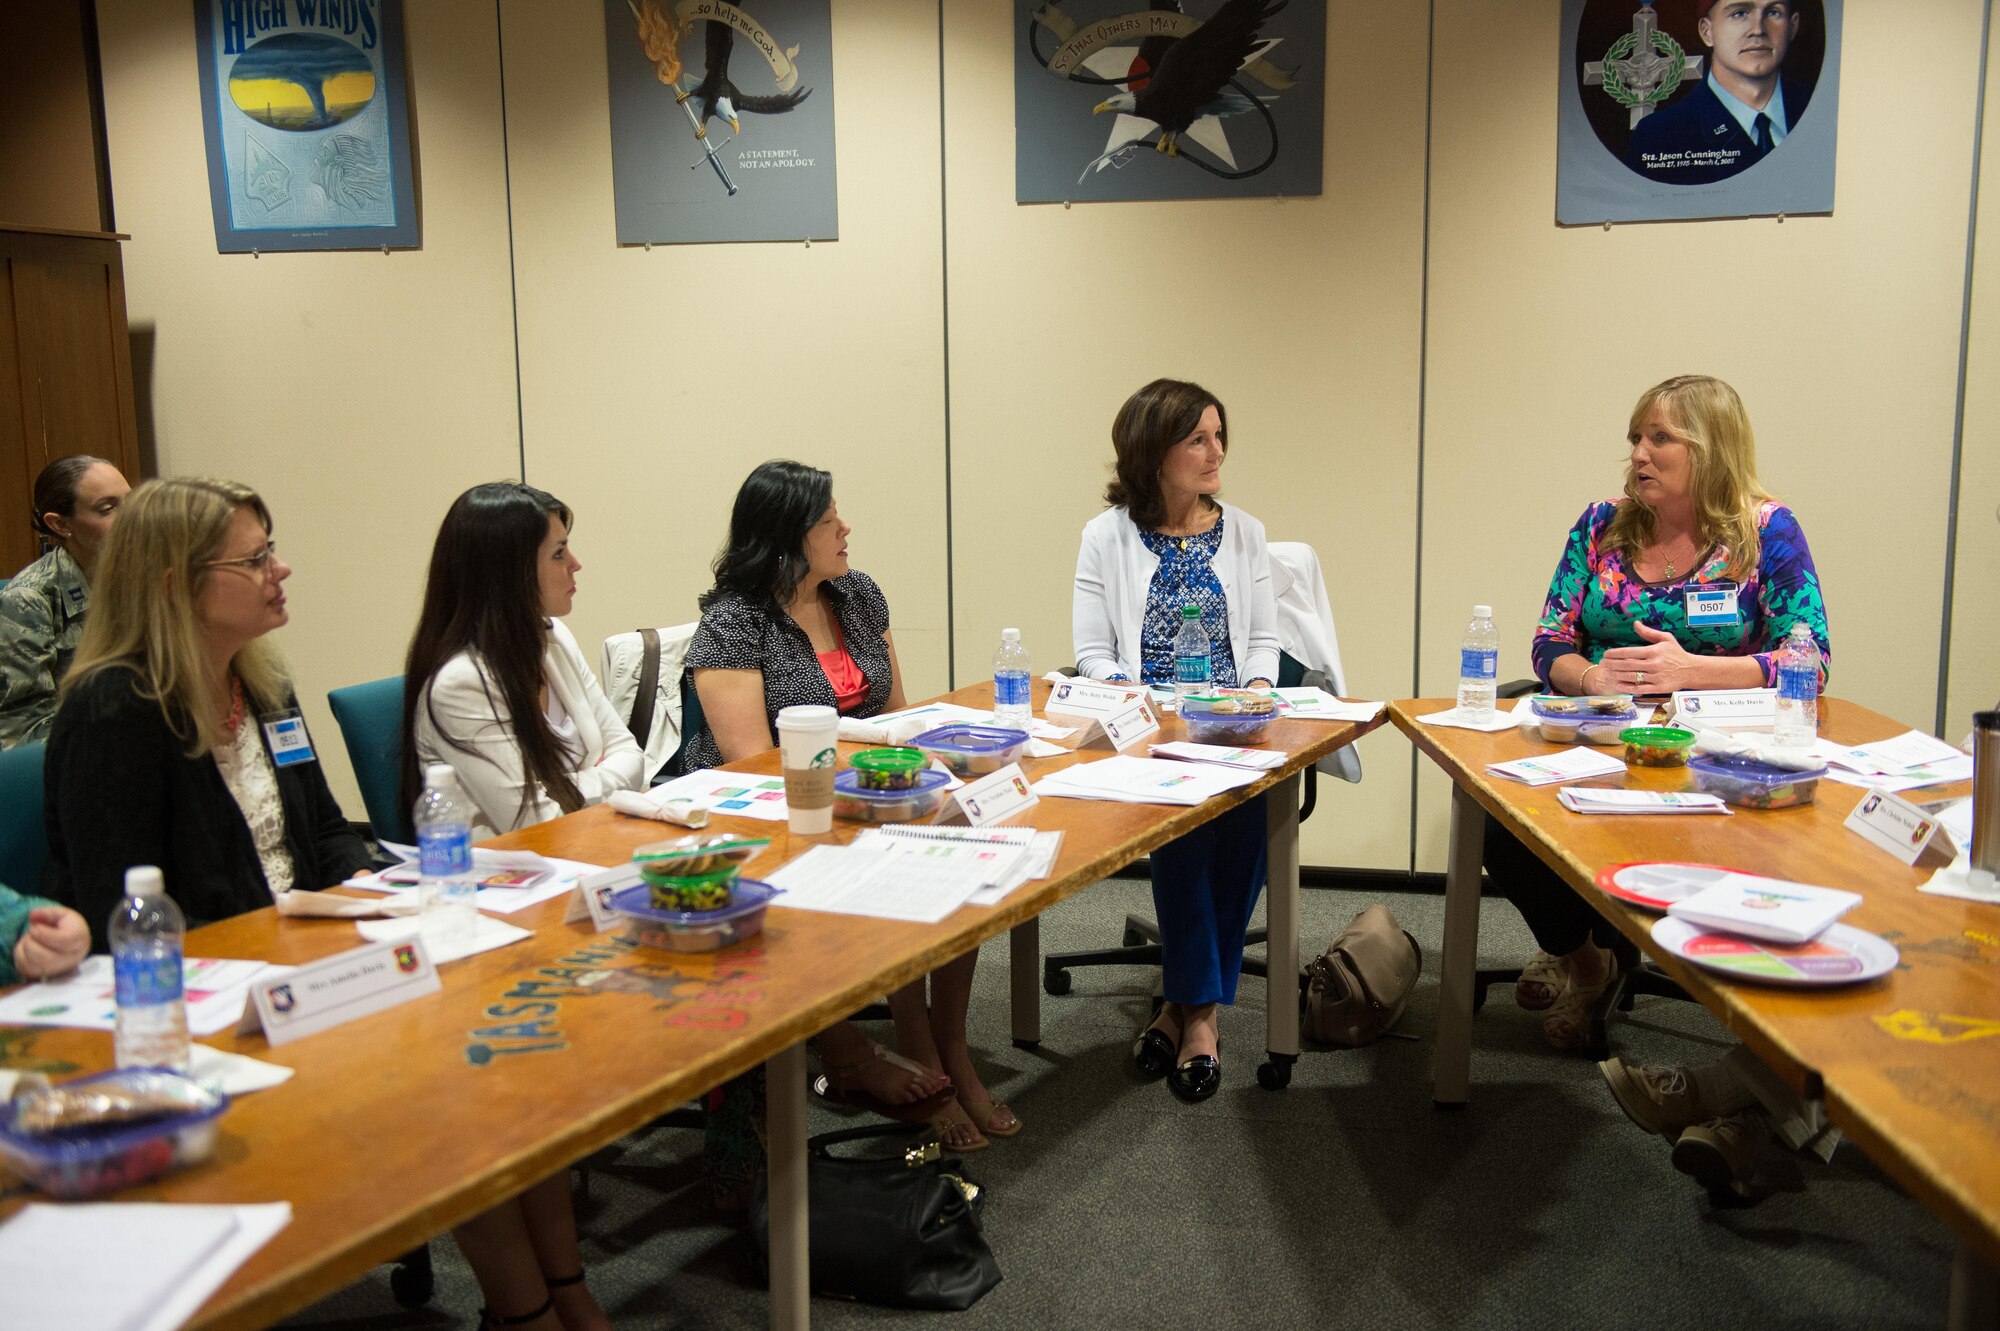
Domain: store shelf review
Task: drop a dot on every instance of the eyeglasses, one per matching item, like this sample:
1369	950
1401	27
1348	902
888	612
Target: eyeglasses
257	565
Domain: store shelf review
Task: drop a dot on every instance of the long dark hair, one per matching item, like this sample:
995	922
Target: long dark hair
765	556
484	597
1152	421
55	491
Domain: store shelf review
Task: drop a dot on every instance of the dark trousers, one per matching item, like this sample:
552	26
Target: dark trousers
1559	918
1205	886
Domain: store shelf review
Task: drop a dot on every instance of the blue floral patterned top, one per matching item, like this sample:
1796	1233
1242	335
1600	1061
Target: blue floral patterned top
1186	576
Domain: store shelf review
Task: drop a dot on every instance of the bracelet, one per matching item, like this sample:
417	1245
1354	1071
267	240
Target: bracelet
1583	680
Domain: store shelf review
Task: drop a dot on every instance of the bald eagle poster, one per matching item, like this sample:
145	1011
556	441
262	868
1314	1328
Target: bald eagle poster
1181	99
307	128
721	120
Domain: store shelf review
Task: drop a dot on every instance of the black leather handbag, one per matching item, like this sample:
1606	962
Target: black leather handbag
899	1230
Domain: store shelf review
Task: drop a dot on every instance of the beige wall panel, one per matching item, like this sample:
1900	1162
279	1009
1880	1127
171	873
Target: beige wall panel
358	392
1841	332
1975	617
653	381
1301	314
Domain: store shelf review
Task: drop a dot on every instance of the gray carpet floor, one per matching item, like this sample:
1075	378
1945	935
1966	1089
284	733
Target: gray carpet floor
1345	1201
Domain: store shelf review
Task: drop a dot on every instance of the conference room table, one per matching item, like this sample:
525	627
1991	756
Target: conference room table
533	1055
1906	1064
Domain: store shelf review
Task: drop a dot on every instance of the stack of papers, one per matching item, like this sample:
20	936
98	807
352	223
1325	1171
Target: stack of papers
1595	799
1262	760
1906	762
510	880
1310	704
1038	859
1770	909
919	880
1133	780
1568	765
215	992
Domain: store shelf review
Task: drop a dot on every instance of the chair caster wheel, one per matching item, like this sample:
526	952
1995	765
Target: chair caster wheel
1276	1074
1056	983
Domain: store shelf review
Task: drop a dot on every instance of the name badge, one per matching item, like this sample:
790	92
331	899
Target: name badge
1712	606
592	899
996	796
1895	825
306	1000
285	736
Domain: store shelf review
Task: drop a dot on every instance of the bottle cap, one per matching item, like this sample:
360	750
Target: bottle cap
1010	635
436	774
1190	612
1482	612
144	880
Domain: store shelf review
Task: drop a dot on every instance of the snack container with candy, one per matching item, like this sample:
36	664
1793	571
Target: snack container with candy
696	856
93	1136
1750	784
887	769
695	930
970	750
1228	716
855	801
1657	746
700	892
1594	718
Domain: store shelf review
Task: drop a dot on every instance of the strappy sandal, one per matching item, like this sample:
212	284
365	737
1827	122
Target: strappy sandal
842	1086
1568	1022
1541	982
951	1117
983	1112
489	1318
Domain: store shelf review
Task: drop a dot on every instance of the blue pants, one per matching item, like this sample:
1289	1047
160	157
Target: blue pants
1205	887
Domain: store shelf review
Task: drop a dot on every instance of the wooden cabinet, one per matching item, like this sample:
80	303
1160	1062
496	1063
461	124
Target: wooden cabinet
65	367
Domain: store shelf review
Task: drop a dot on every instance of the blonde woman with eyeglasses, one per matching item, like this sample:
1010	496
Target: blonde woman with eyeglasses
177	741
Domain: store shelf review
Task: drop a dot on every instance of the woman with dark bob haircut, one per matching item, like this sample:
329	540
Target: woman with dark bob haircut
496	687
1164	543
789	622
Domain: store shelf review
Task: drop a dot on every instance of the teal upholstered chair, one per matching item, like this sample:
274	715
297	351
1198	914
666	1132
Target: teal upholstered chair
23	841
371	722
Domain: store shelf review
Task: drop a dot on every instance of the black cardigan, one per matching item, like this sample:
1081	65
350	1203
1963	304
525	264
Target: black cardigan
121	791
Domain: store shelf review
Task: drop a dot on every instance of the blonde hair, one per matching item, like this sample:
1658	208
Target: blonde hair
1708	416
142	606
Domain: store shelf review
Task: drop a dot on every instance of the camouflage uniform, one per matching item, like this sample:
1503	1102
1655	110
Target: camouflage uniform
41	621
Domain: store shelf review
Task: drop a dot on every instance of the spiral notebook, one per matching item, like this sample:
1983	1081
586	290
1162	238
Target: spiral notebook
1038	859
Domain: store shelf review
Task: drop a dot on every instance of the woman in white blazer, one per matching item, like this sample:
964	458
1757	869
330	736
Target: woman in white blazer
495	686
1164	543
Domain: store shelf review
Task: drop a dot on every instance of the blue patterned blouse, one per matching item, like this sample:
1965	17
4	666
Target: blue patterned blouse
1186	576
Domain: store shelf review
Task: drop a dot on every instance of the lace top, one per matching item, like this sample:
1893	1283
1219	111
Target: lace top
247	771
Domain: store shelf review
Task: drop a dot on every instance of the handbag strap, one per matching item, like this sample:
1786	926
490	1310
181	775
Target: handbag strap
643	702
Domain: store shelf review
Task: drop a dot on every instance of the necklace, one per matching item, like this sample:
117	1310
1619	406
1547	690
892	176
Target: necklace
235	717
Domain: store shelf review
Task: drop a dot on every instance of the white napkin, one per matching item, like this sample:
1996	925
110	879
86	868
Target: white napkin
893	731
1758	747
1957	879
333	906
1500	720
235	1074
644	804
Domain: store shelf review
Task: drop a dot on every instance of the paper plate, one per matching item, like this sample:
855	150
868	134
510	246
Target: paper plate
1657	884
1841	955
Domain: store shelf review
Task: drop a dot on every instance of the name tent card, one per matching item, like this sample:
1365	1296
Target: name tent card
1899	827
996	796
1726	707
593	897
1130	726
334	990
1091	700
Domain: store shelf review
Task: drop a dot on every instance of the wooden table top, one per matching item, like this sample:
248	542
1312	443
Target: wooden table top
538	1053
1904	1062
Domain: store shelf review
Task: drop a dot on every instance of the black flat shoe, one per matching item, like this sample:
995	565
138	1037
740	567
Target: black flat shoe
1153	1053
1197	1078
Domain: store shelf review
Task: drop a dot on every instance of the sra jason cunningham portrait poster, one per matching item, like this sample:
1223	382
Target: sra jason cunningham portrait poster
1697	108
721	120
303	109
1180	99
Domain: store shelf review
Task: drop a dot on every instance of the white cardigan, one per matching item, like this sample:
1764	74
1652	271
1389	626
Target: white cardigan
1114	569
491	772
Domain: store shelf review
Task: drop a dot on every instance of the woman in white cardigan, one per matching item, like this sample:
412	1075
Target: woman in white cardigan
496	687
1165	543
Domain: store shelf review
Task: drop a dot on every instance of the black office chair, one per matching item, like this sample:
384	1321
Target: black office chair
1636	975
1140	945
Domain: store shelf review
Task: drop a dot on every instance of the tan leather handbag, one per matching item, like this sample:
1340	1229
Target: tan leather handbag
1358	987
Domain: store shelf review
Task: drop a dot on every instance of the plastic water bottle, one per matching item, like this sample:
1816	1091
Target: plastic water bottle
1013	705
1193	669
1478	666
146	933
445	883
1798	690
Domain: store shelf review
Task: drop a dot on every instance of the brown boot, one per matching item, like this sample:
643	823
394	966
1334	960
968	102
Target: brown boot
1721	1154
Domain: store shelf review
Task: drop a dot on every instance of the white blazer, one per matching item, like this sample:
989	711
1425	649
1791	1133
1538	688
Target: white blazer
1114	569
471	732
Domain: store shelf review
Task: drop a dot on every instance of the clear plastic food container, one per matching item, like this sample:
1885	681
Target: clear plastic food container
972	750
1749	784
80	1163
1228	716
696	930
698	855
1594	718
853	801
698	892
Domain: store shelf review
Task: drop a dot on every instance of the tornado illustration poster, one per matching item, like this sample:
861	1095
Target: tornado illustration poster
304	112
